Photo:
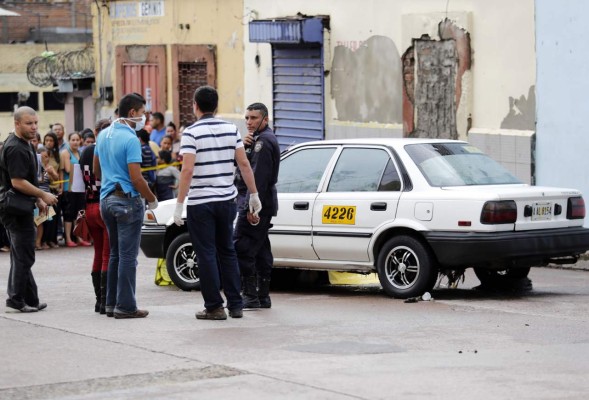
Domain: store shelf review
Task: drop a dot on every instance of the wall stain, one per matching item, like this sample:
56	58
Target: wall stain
522	112
366	82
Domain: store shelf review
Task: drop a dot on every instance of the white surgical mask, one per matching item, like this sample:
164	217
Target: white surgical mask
141	124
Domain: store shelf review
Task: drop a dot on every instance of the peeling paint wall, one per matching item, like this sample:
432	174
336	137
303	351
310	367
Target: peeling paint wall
432	83
489	36
435	87
366	81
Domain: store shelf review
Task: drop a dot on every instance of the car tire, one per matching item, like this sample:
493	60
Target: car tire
509	277
181	263
406	267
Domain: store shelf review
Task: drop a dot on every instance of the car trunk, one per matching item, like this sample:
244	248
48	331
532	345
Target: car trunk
537	207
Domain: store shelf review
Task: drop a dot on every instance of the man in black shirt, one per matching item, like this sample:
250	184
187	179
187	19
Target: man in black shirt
252	244
18	171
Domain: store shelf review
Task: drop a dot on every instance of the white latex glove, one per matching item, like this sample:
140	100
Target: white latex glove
178	214
152	205
255	204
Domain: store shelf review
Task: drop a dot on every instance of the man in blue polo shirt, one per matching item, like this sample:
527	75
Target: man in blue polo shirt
159	129
117	163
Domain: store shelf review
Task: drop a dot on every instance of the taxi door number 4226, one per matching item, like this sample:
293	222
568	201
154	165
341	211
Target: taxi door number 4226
339	215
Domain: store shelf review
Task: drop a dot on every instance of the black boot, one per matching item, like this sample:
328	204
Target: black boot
264	293
250	293
96	284
103	292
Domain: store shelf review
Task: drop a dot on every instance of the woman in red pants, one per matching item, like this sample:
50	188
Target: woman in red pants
95	224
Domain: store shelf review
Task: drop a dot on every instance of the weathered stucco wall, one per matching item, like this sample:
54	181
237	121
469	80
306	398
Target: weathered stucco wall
184	22
13	78
494	44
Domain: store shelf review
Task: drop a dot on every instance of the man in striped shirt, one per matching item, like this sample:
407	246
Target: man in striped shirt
210	148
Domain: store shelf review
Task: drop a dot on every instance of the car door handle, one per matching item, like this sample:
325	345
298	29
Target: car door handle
301	205
378	206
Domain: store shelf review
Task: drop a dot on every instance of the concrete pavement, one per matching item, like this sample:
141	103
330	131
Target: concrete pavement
332	343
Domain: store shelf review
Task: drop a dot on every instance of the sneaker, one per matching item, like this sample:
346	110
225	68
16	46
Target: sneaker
25	309
41	306
216	314
136	314
238	313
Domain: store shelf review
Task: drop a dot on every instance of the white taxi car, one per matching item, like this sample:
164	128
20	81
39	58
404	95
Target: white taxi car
408	209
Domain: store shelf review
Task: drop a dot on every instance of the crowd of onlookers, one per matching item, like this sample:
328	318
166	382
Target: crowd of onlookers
59	172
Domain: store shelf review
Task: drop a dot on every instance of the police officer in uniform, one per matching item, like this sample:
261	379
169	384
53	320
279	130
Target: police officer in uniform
251	233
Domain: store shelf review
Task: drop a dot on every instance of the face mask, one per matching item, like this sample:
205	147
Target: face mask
141	124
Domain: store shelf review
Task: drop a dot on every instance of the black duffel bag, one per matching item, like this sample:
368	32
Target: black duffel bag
16	203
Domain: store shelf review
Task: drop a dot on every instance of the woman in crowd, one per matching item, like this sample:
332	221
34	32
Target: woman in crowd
172	132
166	144
70	159
50	227
46	174
95	224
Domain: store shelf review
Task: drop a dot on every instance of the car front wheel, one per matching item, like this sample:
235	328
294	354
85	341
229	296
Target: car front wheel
406	267
181	263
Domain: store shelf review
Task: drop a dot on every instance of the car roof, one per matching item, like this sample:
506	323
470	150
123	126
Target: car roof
394	142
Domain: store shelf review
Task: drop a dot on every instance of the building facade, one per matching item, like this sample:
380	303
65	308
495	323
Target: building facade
459	69
164	50
35	31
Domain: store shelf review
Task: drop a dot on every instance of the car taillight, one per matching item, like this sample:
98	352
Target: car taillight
499	212
576	208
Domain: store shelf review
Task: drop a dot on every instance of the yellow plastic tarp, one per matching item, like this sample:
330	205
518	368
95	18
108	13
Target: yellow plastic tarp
161	274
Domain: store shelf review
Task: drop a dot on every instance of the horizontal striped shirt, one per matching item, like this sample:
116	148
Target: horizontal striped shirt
213	142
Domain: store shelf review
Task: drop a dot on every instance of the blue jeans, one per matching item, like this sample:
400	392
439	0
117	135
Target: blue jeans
123	218
211	231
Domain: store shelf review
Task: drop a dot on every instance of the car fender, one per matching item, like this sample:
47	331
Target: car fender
399	223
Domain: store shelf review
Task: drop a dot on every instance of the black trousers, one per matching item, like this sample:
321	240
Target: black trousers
252	245
22	288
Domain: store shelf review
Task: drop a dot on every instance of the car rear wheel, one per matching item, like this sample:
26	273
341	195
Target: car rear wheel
181	263
501	278
406	267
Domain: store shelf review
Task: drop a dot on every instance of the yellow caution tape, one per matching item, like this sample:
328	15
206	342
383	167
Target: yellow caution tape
161	166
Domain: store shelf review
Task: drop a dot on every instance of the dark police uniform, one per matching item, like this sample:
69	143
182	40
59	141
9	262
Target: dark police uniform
254	253
18	160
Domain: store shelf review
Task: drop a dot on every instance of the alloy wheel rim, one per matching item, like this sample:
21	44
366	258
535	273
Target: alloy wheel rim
402	267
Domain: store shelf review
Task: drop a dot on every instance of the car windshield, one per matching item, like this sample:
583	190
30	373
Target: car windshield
458	164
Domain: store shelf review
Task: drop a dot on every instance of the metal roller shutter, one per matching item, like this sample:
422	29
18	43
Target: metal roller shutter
298	93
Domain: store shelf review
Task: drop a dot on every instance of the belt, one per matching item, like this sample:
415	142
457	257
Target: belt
120	193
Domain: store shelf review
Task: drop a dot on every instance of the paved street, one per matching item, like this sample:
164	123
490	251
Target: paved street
324	343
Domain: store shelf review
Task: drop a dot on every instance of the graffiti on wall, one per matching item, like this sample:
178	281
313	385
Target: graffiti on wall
432	82
366	81
522	112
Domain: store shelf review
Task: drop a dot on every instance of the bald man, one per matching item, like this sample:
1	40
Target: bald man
18	172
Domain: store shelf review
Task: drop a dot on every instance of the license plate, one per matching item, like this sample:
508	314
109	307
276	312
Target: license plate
339	215
541	211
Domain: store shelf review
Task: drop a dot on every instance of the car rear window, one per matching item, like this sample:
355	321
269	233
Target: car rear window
458	164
